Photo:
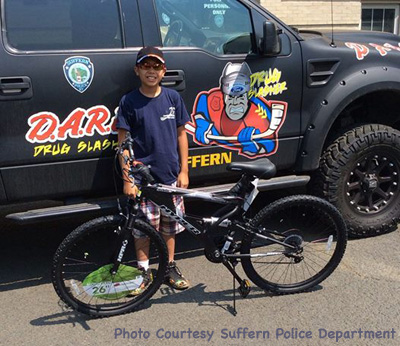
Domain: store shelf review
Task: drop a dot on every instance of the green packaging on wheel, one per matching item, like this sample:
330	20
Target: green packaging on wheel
102	284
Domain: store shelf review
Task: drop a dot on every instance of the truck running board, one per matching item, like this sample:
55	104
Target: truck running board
52	213
108	206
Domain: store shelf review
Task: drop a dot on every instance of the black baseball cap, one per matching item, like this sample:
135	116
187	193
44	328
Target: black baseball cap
150	52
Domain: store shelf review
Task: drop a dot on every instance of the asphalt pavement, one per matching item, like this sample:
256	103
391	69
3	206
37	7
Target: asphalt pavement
357	305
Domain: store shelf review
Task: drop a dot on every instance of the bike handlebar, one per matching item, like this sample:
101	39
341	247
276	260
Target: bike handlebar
144	172
127	144
136	167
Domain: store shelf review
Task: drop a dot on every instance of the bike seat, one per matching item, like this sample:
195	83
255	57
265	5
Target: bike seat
261	168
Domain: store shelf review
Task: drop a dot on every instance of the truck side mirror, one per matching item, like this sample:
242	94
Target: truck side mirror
270	43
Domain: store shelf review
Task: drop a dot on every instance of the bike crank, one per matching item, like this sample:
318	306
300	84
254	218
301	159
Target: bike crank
244	284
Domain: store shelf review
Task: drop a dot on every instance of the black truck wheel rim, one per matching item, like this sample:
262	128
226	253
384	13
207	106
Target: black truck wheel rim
373	183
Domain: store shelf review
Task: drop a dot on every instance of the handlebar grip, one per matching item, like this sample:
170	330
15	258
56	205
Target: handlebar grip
129	144
144	171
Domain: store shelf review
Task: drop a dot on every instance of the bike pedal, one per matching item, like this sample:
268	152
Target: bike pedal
244	288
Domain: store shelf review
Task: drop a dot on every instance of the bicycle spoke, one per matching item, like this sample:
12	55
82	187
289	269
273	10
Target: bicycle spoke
78	261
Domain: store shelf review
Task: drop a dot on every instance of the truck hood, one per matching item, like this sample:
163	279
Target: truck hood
358	36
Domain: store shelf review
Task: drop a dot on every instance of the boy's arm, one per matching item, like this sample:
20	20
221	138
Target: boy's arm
183	150
129	183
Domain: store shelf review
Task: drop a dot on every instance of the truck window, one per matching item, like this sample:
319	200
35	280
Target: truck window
62	24
218	26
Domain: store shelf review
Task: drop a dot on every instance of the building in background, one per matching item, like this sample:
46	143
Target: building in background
380	16
376	15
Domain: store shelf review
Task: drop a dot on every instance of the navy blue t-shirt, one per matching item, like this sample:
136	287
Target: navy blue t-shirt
153	124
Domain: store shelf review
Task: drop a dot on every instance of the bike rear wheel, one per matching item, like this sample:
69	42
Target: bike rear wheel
82	264
315	230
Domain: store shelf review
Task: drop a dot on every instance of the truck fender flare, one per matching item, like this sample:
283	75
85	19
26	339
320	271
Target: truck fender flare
348	90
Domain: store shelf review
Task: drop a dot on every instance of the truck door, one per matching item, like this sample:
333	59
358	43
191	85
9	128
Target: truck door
64	67
244	105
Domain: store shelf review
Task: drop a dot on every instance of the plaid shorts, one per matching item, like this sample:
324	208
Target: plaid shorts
160	221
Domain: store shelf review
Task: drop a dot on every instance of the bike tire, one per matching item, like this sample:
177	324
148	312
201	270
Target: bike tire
81	268
313	225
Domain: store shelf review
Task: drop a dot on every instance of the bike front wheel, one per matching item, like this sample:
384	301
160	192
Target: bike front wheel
82	272
312	236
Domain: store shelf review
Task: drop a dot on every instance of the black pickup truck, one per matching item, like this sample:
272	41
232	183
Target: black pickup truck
317	106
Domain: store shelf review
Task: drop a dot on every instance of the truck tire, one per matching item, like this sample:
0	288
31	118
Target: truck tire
359	173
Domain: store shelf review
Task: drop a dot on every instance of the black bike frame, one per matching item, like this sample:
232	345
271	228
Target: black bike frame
234	204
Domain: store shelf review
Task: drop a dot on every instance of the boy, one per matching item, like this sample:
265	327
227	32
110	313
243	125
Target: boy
155	117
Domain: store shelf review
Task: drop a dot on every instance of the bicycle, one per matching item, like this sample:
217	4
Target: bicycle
289	246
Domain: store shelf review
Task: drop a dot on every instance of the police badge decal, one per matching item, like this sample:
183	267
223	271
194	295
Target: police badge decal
79	71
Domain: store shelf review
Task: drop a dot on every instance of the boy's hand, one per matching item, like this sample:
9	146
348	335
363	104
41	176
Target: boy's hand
130	190
183	180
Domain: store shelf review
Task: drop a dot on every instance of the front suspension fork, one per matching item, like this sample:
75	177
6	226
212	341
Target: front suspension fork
125	235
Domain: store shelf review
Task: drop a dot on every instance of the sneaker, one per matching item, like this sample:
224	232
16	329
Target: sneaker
147	280
175	278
